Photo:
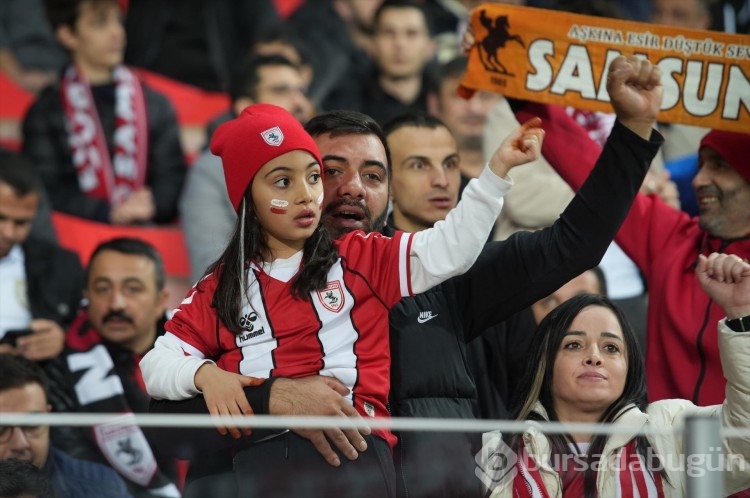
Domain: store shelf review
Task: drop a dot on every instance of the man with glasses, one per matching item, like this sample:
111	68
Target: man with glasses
23	389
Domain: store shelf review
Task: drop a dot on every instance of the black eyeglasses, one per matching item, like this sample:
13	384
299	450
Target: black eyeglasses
30	431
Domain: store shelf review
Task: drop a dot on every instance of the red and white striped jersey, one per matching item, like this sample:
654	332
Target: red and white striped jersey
341	331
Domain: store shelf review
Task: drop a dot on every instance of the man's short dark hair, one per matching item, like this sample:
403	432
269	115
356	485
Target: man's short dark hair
342	123
19	172
415	119
402	4
454	68
246	77
67	12
135	247
17	371
21	479
282	33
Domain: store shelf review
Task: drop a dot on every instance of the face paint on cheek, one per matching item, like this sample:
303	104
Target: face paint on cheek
279	206
320	200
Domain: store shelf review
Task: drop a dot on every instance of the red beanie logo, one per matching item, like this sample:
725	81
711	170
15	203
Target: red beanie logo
273	136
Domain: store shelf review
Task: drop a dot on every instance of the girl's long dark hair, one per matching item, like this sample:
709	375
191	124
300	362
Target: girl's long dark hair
536	384
318	255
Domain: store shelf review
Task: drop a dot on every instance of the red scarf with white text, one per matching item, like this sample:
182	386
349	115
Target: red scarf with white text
633	477
112	179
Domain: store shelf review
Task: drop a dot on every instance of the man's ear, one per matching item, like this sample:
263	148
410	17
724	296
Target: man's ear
66	37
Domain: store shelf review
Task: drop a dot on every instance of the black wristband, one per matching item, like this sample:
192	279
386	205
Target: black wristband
741	324
259	396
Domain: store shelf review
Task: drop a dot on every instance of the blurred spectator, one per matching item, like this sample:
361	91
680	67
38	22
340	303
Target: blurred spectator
208	217
339	34
400	81
589	282
194	41
29	54
281	40
41	228
634	10
731	16
24	389
681	140
98	372
106	146
692	14
465	119
40	283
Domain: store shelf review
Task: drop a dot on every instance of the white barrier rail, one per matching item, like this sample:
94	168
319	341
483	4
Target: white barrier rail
278	422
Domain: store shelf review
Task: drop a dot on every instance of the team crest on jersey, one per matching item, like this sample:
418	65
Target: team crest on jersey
273	136
332	297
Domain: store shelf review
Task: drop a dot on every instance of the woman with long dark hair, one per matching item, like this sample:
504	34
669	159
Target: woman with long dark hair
586	367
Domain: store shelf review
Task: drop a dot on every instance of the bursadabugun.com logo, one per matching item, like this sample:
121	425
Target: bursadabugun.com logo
496	462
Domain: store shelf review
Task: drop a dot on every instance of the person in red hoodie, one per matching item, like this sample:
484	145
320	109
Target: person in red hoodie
682	357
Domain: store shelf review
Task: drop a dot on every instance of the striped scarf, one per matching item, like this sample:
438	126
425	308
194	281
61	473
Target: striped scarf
633	477
99	176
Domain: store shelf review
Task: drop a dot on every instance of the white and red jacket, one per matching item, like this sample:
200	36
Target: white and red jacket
734	411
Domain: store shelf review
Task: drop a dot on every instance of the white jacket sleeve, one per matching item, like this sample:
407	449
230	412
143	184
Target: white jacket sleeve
168	372
734	349
452	245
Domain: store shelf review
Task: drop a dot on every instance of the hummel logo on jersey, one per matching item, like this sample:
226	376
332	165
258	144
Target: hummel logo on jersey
425	316
247	322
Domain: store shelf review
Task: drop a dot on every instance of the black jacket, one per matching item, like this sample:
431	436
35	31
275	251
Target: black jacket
45	141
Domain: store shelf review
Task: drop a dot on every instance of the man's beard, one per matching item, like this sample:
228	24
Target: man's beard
368	223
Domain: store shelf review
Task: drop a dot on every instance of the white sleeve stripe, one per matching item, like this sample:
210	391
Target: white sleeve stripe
188	348
404	259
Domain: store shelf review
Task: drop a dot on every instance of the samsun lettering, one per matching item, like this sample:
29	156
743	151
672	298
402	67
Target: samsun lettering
699	85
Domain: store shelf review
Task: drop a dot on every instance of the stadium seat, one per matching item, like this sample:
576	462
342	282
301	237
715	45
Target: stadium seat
82	236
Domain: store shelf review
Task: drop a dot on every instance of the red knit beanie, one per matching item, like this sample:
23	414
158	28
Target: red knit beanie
259	134
734	148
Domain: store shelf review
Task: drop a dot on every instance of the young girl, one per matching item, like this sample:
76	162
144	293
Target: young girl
284	300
